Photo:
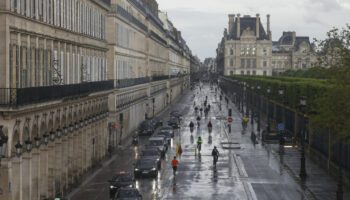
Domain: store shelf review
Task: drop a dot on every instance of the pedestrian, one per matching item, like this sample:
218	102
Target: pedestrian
215	153
199	144
174	164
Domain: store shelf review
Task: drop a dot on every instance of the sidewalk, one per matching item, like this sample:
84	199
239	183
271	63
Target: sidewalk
318	184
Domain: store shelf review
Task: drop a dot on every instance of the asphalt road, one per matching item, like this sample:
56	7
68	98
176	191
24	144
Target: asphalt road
244	171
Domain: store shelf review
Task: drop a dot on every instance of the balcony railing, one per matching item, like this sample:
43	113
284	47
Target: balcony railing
12	97
121	11
123	83
24	96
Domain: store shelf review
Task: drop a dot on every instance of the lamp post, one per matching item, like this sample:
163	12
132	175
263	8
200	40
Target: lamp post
153	101
252	105
302	104
268	91
246	88
121	120
258	88
281	95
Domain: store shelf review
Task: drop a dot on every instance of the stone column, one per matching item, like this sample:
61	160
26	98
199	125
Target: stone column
16	178
43	173
26	176
51	169
5	169
58	166
35	174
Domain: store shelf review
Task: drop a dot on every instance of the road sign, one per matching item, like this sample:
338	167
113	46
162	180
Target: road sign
230	119
280	127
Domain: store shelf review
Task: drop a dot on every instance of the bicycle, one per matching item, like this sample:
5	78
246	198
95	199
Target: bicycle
199	147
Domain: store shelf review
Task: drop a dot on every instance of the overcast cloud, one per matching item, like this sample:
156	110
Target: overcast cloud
202	21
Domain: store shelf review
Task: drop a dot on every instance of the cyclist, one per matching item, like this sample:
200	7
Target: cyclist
199	144
245	122
191	126
210	126
174	164
215	154
198	120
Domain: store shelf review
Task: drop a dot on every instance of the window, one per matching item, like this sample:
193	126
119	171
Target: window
231	72
242	63
253	63
242	72
242	51
264	63
231	51
253	51
264	73
231	62
247	51
254	72
265	51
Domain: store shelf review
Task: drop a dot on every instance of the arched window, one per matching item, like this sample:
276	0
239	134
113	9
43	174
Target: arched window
231	51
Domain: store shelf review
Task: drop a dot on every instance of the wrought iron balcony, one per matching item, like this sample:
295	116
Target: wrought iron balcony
122	12
14	97
25	96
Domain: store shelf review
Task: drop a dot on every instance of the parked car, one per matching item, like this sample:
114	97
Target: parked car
173	122
152	154
128	194
175	113
168	129
159	142
120	180
146	128
157	122
145	168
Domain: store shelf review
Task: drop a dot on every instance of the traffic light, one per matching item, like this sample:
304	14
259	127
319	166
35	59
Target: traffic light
230	112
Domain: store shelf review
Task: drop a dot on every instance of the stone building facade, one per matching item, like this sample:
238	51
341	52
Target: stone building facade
292	52
247	49
77	77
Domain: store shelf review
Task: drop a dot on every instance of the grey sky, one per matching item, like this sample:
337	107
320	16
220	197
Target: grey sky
202	21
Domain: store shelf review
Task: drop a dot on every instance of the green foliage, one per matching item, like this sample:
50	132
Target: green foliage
293	87
315	72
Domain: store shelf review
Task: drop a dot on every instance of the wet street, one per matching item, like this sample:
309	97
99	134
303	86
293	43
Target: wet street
243	171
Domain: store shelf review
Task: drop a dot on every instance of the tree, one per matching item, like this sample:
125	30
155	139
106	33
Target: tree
333	108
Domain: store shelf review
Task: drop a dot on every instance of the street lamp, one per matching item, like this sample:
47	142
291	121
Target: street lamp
28	144
65	131
46	138
18	147
71	128
52	136
59	133
37	142
302	104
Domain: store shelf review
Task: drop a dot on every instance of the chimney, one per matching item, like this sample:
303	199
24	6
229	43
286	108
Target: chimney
257	25
225	34
231	19
268	26
238	26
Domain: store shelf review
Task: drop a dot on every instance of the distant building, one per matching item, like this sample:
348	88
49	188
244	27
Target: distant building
292	52
247	49
211	64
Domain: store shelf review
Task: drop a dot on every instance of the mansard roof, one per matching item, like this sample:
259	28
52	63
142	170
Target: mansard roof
247	22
